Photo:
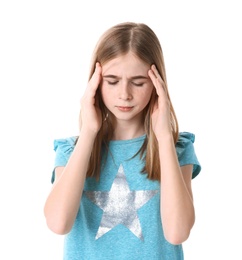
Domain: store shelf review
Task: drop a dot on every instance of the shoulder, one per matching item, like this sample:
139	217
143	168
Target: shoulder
185	143
185	137
186	152
65	143
63	148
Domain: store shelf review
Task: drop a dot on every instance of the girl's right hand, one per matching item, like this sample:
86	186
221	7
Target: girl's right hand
90	117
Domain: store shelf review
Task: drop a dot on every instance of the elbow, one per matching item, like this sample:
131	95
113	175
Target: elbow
177	234
177	238
57	224
59	228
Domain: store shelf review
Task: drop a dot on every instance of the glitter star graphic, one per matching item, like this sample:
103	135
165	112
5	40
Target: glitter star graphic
120	205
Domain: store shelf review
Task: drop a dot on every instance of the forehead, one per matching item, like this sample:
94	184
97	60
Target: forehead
128	64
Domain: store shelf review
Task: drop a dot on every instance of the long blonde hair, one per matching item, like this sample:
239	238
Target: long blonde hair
143	42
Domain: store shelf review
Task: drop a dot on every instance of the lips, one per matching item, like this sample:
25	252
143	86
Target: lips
124	109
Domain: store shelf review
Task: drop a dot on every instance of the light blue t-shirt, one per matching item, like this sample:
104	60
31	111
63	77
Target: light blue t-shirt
119	215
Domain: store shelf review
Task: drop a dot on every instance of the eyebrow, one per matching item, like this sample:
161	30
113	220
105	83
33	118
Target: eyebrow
131	78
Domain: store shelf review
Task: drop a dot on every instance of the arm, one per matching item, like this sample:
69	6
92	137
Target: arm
63	202
177	210
176	203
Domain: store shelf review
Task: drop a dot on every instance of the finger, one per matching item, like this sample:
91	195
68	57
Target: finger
152	74
94	81
156	73
156	80
96	77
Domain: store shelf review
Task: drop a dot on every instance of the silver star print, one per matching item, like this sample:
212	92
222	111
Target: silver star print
120	205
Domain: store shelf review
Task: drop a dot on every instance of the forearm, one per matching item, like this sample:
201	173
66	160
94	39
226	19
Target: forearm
177	209
63	201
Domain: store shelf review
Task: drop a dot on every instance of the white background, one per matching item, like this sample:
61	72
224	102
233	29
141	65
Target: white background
45	51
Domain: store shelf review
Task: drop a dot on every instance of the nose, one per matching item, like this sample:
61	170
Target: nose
125	92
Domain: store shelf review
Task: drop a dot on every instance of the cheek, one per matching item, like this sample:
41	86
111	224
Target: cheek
105	94
146	95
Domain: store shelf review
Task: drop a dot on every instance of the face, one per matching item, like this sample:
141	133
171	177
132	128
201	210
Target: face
126	87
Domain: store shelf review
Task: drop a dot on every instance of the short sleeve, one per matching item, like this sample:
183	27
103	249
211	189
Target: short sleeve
186	152
63	149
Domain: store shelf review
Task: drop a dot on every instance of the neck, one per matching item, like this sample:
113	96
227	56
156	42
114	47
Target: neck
128	131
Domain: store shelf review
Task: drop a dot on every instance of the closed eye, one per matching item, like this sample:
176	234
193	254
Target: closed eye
112	82
137	84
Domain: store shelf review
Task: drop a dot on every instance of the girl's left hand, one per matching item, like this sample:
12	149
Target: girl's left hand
161	111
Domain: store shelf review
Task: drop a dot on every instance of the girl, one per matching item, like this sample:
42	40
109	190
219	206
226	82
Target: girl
122	188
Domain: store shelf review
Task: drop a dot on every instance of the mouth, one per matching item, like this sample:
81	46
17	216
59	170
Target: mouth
125	109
